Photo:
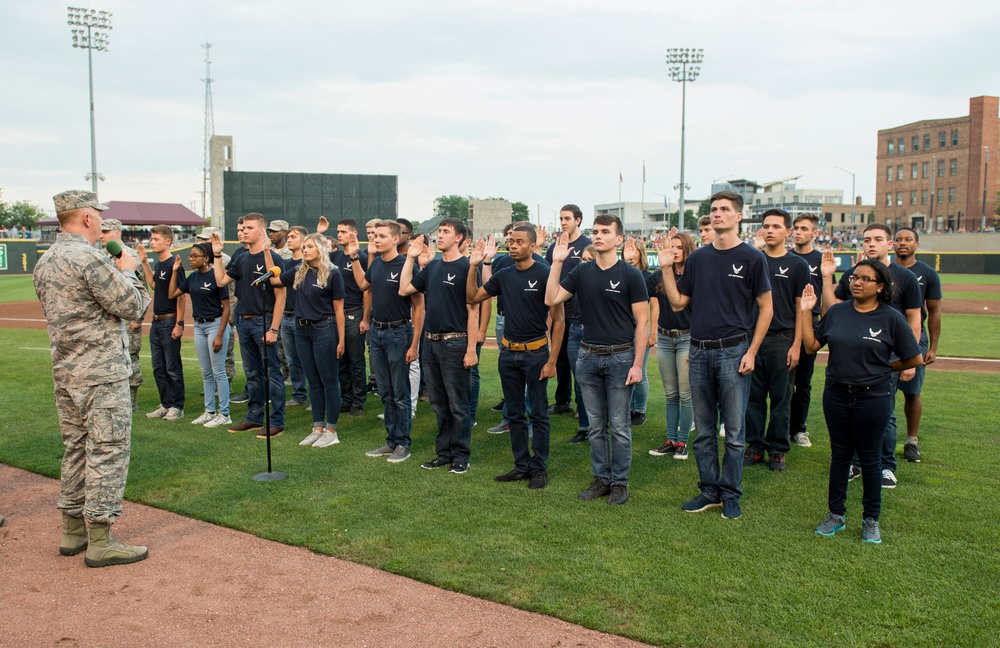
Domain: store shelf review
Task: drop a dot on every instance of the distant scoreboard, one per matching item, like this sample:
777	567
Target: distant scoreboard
301	198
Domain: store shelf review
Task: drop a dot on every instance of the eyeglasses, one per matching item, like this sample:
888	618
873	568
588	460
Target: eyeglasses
402	233
864	280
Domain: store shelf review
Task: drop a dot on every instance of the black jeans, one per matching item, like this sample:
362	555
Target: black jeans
519	373
448	387
353	382
856	420
770	380
802	393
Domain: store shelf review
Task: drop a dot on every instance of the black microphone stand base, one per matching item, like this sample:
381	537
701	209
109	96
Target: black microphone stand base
269	476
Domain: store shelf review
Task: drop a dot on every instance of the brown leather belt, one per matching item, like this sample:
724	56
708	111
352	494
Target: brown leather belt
440	337
165	316
672	332
524	346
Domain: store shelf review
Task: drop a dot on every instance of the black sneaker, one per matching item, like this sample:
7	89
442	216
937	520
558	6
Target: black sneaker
752	456
422	396
436	463
889	479
638	418
619	494
539	479
777	462
731	509
599	488
344	408
355	411
240	398
513	475
459	467
560	408
371	389
668	448
853	473
911	452
580	437
499	406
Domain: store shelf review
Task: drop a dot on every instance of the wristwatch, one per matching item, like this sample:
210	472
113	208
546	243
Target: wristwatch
272	330
489	263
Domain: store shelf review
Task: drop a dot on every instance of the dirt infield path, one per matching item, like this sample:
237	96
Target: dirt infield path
210	586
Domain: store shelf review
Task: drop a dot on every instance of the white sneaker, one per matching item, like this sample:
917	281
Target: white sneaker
204	418
722	431
327	438
220	419
802	440
159	412
381	417
312	438
173	414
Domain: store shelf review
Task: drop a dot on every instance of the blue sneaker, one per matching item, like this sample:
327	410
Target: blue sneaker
831	525
700	503
869	531
731	509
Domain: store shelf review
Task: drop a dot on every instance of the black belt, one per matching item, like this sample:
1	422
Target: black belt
603	349
290	313
206	320
672	332
780	332
724	343
250	316
389	325
307	322
165	316
440	337
857	388
353	309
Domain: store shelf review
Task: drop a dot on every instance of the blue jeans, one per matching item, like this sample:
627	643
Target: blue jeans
602	378
255	353
448	386
716	381
640	390
317	349
574	334
519	373
856	421
499	326
295	373
474	386
353	381
213	365
672	360
387	354
167	369
771	380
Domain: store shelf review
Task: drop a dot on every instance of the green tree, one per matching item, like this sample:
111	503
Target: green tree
705	207
519	212
453	206
691	220
21	214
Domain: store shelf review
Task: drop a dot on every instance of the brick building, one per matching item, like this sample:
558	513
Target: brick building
931	174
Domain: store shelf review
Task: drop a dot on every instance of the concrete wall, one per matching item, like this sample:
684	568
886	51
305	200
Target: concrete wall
489	217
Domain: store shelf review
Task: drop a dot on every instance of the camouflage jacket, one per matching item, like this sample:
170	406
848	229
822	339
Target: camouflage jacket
86	301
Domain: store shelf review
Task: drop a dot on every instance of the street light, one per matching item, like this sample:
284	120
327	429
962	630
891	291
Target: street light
986	175
685	65
852	192
93	35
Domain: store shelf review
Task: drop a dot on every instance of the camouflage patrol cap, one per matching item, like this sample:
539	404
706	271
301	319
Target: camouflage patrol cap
109	224
206	233
76	199
278	226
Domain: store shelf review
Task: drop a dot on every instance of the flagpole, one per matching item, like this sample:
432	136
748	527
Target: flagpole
643	199
621	215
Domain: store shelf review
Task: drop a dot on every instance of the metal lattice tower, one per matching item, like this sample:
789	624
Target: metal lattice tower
209	132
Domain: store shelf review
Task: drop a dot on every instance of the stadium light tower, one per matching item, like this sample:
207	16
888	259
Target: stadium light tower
90	32
685	65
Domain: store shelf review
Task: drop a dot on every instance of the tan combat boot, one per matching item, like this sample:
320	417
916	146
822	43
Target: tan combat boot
74	536
104	550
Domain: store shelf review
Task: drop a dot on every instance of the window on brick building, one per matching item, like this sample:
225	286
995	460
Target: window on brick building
927	142
888	199
900	146
940	195
924	169
941	168
953	167
899	197
888	174
913	197
913	171
954	138
899	172
942	139
952	194
923	196
915	143
892	147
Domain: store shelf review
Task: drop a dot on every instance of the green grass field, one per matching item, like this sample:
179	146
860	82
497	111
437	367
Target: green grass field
646	570
16	288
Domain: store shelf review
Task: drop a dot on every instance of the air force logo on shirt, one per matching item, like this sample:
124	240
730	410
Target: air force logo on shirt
736	272
782	272
920	280
450	280
531	286
576	252
260	269
393	277
614	286
812	270
163	274
873	335
206	285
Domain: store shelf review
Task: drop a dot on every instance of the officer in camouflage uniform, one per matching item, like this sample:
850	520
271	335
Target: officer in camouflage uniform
111	229
87	302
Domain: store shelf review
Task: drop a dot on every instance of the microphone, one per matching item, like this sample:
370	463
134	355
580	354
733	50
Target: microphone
273	272
114	248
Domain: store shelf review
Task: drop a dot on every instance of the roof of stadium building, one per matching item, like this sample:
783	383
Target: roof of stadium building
143	214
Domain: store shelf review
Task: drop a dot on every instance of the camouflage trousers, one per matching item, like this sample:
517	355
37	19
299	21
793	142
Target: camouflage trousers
230	359
96	426
134	346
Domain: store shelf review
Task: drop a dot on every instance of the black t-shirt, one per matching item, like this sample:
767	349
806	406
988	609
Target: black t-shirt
206	296
387	305
524	293
814	259
905	291
930	286
443	285
789	275
504	261
605	300
669	319
723	286
247	268
353	296
290	265
313	300
575	258
861	344
162	304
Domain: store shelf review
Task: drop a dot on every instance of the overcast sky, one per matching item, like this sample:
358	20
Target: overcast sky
542	101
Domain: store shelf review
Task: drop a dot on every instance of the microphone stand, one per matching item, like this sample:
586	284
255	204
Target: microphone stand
269	475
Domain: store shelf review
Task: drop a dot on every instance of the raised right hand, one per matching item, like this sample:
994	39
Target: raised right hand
216	244
561	250
809	299
828	266
322	225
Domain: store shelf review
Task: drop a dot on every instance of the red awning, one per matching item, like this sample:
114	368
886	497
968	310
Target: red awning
144	214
